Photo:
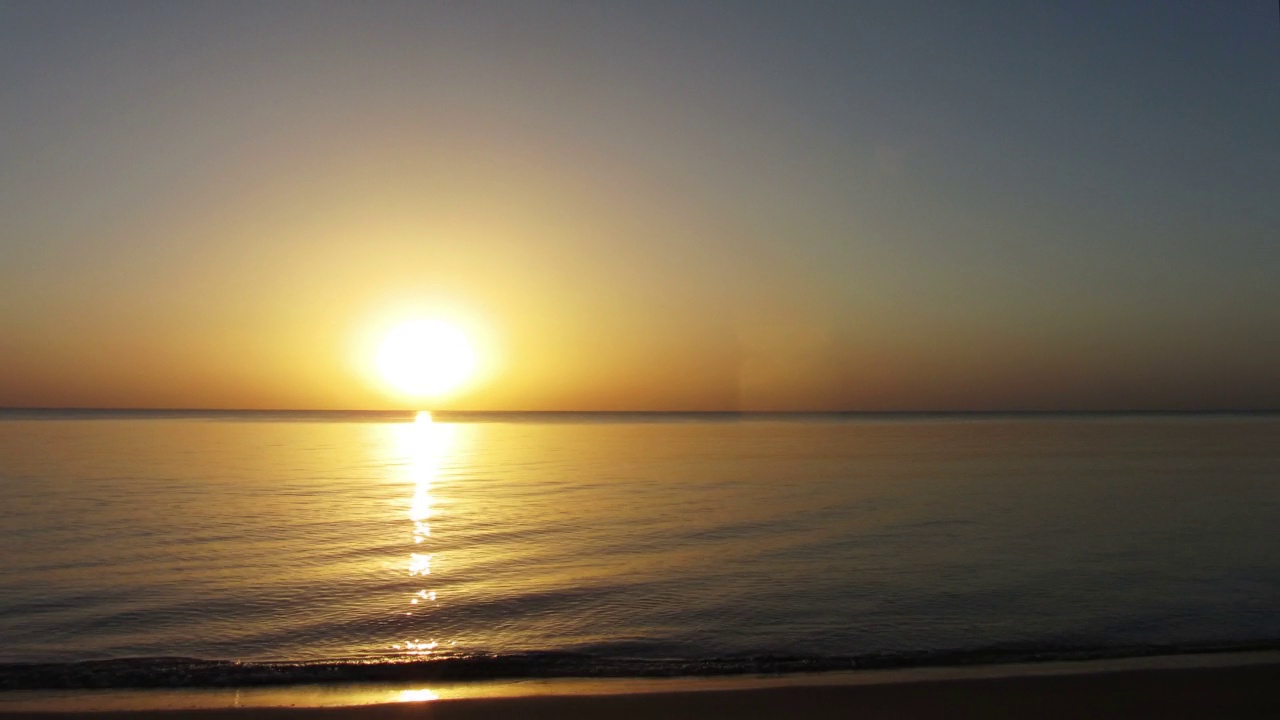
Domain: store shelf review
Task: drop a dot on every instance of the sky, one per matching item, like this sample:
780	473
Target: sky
643	206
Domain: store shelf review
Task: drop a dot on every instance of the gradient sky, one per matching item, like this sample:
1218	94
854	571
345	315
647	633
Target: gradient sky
659	205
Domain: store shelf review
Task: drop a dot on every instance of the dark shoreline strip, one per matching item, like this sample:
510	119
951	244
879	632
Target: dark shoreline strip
1210	692
178	672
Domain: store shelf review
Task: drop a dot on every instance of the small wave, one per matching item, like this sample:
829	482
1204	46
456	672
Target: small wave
185	672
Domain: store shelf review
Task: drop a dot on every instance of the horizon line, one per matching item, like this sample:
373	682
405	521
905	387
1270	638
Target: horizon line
1103	411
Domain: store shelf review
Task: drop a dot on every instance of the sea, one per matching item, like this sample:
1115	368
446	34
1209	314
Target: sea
213	549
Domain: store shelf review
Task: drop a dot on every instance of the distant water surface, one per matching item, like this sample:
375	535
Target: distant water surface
676	539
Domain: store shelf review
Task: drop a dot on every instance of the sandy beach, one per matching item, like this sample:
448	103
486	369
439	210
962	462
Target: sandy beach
1251	691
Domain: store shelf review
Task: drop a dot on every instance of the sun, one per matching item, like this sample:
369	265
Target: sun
425	358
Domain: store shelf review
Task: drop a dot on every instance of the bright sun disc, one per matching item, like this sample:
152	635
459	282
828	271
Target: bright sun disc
425	358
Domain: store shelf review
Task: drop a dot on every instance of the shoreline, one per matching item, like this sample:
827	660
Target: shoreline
173	673
1205	685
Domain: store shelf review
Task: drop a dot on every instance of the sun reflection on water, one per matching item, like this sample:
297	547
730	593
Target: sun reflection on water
417	696
423	447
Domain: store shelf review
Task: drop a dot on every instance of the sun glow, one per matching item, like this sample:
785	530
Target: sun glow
425	358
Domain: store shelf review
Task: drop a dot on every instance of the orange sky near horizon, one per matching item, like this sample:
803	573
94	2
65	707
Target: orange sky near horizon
651	208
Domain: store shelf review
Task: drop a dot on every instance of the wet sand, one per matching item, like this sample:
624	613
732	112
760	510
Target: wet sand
1251	691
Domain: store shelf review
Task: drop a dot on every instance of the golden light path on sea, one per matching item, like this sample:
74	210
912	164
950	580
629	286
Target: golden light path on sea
423	446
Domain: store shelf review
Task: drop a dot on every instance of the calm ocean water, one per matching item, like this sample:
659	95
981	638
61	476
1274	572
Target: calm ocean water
633	544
